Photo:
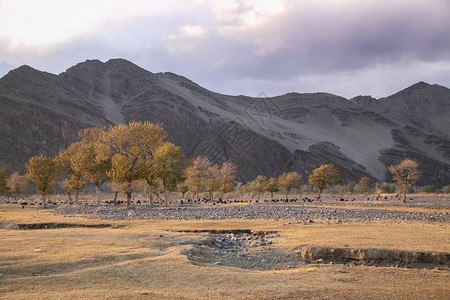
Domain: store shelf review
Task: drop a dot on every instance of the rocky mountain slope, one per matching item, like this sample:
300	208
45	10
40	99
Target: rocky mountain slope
42	113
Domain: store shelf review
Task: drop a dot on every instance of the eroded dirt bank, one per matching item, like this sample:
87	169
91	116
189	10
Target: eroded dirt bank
383	257
256	250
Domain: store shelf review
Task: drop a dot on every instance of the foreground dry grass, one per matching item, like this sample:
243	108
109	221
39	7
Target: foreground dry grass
143	259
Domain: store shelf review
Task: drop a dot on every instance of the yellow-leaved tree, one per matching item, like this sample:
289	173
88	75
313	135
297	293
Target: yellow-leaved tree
66	161
366	184
18	183
289	181
212	181
272	186
168	164
407	172
324	176
132	147
196	175
227	174
256	186
4	189
182	188
93	161
67	187
42	170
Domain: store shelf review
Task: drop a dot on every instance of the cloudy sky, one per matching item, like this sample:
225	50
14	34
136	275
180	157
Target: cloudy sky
345	47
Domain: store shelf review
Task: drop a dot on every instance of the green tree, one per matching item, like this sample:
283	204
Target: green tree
350	187
366	184
272	186
42	170
324	176
289	181
410	189
131	149
428	189
407	172
169	166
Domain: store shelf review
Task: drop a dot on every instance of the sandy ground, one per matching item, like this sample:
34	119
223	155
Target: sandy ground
142	259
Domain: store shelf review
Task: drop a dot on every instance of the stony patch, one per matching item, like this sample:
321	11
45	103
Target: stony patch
304	214
246	251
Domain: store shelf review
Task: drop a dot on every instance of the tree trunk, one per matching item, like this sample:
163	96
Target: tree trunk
271	195
43	200
287	195
404	192
320	192
115	198
76	196
97	193
211	196
70	197
128	199
150	196
165	196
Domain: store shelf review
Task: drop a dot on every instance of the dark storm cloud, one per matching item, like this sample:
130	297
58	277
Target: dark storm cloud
311	40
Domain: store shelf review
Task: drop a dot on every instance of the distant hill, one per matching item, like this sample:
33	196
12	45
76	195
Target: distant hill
42	113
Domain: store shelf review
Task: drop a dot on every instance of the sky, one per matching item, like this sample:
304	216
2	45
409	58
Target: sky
247	47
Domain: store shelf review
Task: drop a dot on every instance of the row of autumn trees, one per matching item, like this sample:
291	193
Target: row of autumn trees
405	173
126	156
136	153
323	177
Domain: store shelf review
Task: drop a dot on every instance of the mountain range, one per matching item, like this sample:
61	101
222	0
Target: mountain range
42	112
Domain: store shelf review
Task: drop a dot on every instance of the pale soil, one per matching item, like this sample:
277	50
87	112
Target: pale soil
148	259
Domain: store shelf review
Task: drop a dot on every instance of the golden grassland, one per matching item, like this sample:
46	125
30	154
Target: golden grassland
144	260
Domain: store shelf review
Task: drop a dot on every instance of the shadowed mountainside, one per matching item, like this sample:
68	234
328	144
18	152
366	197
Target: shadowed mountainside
42	113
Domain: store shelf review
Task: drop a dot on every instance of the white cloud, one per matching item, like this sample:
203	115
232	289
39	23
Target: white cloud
188	39
52	21
347	47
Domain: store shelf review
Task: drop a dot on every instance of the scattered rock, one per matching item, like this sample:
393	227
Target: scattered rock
300	213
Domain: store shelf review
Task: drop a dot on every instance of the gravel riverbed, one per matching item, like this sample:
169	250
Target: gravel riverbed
264	211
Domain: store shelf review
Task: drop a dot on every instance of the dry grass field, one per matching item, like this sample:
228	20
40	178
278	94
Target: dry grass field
146	259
